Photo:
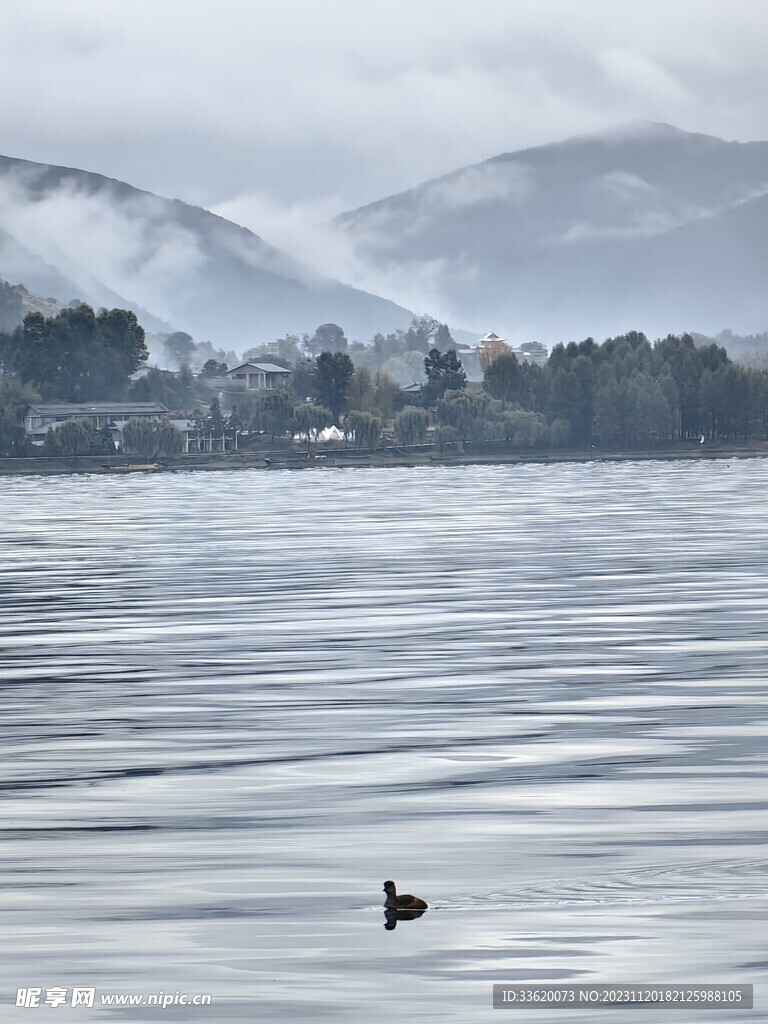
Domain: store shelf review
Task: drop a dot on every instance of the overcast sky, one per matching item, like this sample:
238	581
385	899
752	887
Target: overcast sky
275	111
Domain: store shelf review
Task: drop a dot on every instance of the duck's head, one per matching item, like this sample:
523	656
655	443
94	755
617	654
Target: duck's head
389	887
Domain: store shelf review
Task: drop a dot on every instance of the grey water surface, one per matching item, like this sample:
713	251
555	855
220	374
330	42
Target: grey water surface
234	703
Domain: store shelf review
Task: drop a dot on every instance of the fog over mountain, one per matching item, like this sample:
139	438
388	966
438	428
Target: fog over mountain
72	234
644	227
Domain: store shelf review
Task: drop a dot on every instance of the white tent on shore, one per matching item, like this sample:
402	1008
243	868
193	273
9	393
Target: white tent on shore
330	434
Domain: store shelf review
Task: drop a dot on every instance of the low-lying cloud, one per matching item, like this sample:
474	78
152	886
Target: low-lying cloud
101	245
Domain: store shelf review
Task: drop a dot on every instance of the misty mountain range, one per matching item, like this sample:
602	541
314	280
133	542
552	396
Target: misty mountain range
646	227
72	234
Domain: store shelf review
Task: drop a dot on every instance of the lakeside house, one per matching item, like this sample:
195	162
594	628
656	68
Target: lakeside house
113	416
260	376
39	417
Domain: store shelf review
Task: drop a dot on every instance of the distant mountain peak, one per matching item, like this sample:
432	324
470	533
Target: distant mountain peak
641	224
645	129
657	131
630	133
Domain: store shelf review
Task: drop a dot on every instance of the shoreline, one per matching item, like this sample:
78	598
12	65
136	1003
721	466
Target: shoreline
100	465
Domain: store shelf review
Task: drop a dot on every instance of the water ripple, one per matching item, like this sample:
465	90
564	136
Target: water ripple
234	703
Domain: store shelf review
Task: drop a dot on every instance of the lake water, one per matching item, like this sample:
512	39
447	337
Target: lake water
234	703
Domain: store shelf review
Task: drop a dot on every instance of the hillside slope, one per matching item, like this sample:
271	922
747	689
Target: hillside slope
73	234
644	227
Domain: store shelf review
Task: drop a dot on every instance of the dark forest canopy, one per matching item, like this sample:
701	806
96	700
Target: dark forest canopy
625	393
77	355
629	392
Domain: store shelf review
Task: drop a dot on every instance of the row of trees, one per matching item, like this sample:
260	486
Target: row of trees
628	392
625	392
147	439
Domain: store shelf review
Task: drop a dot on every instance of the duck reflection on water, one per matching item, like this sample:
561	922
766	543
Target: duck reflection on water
393	916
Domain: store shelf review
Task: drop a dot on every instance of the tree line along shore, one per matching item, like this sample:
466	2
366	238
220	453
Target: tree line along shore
627	396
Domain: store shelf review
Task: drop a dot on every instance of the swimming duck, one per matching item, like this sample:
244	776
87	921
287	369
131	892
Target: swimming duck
407	902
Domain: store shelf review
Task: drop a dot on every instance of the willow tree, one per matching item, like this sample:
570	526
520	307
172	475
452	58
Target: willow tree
273	413
411	425
152	439
73	437
310	419
365	427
